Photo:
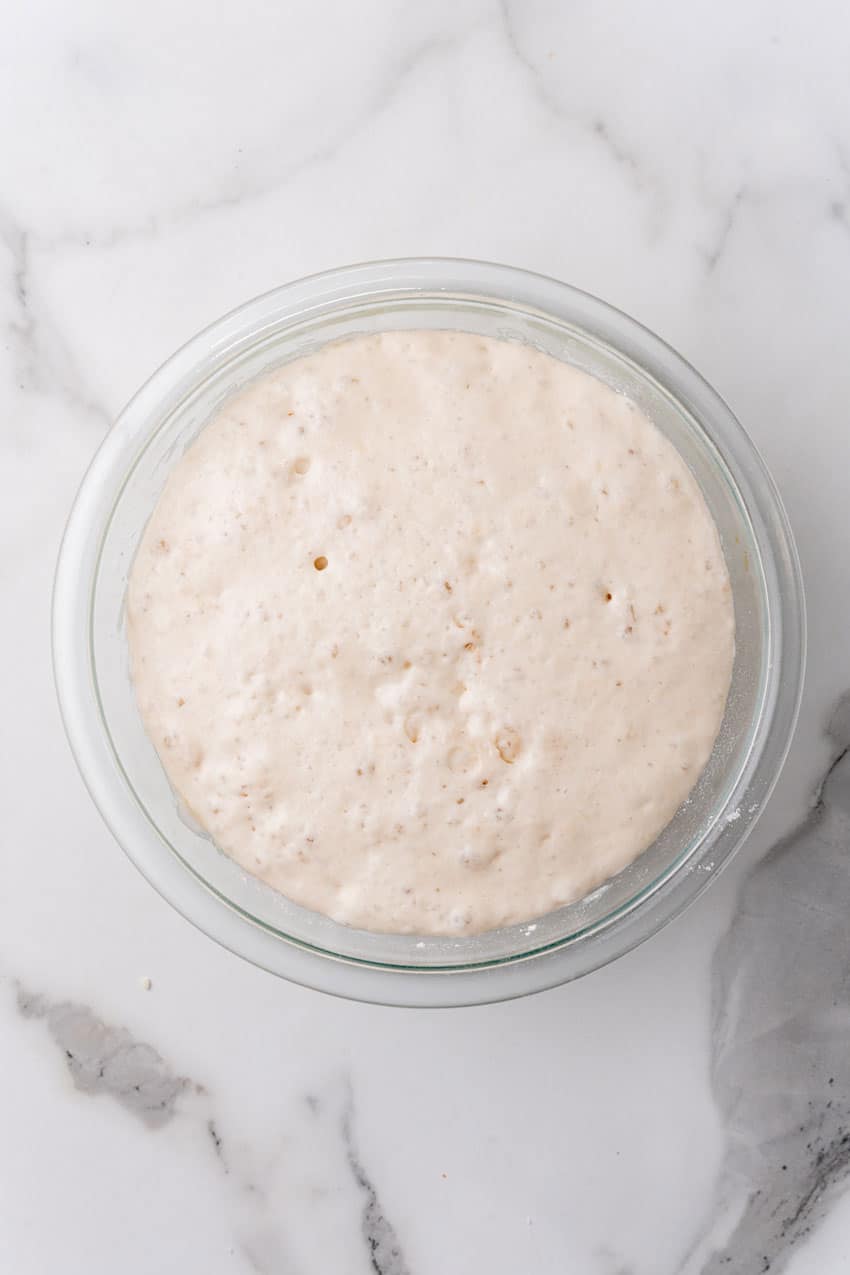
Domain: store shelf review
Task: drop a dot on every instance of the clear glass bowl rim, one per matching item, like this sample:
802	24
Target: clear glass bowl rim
72	655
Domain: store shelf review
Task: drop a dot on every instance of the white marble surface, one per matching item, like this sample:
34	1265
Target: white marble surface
160	164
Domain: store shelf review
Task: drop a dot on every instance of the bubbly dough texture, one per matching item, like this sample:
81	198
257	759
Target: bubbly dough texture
431	632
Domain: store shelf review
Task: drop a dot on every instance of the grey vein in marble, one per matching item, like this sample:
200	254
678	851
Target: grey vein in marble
107	1060
41	360
236	191
217	1144
715	253
596	128
385	1251
781	1019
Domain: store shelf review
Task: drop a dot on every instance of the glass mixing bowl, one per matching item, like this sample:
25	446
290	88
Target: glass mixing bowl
120	765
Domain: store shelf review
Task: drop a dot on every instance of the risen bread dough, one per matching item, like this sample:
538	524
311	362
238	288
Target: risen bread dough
431	632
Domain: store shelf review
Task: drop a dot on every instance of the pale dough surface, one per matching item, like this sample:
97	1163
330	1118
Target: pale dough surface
504	681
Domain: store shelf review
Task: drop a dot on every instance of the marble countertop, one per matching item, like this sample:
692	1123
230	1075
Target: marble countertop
683	1112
